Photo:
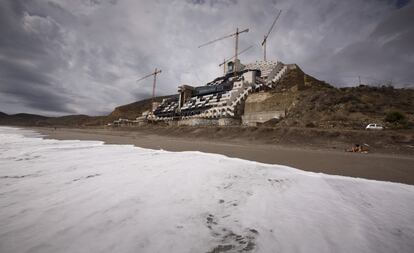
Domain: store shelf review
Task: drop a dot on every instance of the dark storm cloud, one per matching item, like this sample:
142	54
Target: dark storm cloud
33	89
402	3
84	56
27	60
387	53
39	97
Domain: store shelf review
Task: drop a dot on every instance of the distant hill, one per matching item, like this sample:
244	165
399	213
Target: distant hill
25	119
20	119
130	111
71	120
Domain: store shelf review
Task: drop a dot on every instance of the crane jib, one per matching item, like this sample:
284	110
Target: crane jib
224	37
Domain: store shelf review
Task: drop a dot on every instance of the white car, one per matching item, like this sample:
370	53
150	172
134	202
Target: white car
373	126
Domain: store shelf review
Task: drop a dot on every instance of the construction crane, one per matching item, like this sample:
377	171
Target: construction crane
155	73
228	59
236	35
268	33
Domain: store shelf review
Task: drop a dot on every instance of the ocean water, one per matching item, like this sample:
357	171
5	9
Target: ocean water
84	196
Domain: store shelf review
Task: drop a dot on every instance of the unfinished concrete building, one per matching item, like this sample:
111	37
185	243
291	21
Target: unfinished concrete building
221	102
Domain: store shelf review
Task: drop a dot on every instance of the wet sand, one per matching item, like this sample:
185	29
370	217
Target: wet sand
376	166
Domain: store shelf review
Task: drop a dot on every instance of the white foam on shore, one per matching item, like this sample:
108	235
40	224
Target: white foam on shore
84	196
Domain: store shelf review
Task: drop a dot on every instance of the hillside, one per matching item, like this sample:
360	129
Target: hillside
130	111
350	107
74	121
20	119
309	102
25	119
133	110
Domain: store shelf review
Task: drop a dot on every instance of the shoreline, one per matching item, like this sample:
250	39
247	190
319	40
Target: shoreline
375	166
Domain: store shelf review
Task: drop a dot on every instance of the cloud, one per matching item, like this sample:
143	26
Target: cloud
386	55
28	59
83	56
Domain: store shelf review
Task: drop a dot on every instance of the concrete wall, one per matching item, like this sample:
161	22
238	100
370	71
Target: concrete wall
252	119
263	106
198	122
250	76
205	122
228	121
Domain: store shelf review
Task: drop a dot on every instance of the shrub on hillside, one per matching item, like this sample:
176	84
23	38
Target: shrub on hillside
394	116
397	119
310	125
348	98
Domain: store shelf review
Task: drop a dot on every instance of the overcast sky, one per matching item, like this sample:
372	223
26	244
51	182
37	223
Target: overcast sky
83	56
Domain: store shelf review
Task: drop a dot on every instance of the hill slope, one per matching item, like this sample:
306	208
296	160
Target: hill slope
133	110
20	119
309	102
25	119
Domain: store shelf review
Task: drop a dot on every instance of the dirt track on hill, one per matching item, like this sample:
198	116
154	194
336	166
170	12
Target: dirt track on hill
317	156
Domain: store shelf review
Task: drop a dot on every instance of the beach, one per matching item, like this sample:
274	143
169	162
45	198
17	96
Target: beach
376	166
86	196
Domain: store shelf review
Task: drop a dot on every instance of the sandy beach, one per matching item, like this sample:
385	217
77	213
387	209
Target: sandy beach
376	166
